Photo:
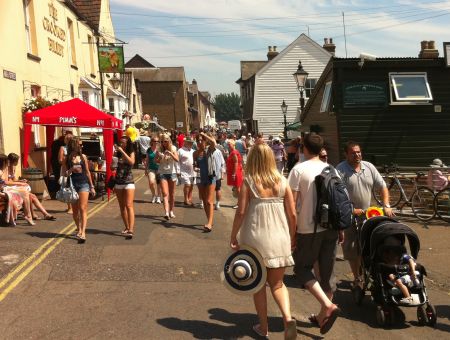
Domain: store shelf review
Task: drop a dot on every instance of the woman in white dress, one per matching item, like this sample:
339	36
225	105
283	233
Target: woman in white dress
266	221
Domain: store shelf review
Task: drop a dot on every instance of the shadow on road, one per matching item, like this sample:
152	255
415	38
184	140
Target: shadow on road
158	220
239	325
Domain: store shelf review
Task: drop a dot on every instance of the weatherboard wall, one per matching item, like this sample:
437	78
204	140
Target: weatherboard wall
275	83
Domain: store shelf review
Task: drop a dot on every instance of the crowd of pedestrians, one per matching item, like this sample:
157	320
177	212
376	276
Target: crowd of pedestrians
274	183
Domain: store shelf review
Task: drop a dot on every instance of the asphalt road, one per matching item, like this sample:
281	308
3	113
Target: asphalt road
164	283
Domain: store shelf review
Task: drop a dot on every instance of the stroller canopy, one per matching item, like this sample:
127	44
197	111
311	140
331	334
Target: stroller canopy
377	229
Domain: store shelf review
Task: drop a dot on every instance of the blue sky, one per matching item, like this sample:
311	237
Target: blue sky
210	37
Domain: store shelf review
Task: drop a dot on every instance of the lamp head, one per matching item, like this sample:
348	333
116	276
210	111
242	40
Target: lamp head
115	81
284	107
300	75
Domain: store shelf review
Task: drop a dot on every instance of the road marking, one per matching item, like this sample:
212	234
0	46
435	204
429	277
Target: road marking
64	232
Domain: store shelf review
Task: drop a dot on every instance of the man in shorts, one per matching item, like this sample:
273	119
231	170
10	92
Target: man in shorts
186	170
314	244
361	178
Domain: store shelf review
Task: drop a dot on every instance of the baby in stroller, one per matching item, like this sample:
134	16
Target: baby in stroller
394	255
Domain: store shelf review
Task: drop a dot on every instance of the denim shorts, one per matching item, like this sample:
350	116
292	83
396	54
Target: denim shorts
81	187
168	177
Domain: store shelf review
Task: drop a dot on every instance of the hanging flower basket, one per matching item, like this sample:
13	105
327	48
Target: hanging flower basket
37	103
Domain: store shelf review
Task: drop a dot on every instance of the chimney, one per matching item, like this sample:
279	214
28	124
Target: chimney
428	50
272	52
329	46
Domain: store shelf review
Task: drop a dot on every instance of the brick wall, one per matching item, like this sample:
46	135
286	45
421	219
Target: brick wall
157	98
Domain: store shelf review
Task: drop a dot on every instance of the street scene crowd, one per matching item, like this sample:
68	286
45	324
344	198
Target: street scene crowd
274	183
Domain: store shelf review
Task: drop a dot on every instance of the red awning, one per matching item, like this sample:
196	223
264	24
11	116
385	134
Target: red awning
74	112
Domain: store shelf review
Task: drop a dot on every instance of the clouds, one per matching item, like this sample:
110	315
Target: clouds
183	28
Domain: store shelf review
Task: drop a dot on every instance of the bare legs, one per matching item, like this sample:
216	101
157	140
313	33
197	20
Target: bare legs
326	305
207	195
187	191
168	192
79	213
154	187
34	200
125	197
280	295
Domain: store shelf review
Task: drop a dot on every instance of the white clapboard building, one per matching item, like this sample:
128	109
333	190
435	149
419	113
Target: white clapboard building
274	82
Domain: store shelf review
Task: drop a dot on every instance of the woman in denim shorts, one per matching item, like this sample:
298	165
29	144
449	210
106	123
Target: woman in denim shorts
77	167
167	159
124	187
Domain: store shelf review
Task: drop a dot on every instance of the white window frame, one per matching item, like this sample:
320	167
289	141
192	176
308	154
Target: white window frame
397	100
325	105
309	88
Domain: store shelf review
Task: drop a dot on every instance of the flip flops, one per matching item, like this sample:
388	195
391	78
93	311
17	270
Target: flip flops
290	332
258	331
207	228
329	320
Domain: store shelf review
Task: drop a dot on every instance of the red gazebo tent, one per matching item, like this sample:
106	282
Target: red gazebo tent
72	113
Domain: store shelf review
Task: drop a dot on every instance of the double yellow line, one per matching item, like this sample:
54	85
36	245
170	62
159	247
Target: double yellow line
39	255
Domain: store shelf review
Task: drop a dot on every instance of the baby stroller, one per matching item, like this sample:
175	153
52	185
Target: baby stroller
372	235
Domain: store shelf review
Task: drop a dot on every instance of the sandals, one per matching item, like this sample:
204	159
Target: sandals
29	220
257	330
124	232
329	320
207	228
81	239
129	235
49	218
290	333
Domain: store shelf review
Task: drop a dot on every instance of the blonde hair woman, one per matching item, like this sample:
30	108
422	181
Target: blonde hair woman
266	221
167	159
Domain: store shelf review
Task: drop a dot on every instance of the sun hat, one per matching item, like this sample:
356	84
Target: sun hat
437	163
244	272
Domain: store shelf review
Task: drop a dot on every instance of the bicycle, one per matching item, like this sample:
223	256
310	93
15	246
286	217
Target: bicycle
421	201
442	204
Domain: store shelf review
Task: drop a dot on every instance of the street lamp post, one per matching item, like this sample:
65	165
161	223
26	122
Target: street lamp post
300	77
284	108
174	94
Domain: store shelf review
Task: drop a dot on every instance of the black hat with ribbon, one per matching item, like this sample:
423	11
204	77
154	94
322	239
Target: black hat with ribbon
244	271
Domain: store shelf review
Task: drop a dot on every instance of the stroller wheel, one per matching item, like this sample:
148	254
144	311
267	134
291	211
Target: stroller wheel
422	316
431	314
390	316
358	294
381	318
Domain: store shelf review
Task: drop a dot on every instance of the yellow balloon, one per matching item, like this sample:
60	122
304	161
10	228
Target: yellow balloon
132	133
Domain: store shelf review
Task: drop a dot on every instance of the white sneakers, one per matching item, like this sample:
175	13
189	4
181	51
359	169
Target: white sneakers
158	200
217	206
154	199
169	215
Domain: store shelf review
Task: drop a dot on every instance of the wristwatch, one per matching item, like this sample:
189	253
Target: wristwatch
387	205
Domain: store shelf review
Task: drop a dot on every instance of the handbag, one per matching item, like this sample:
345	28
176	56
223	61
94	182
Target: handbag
67	194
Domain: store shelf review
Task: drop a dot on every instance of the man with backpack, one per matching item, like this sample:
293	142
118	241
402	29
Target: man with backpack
361	178
315	241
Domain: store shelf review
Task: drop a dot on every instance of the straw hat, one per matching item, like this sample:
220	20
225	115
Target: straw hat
437	163
244	271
